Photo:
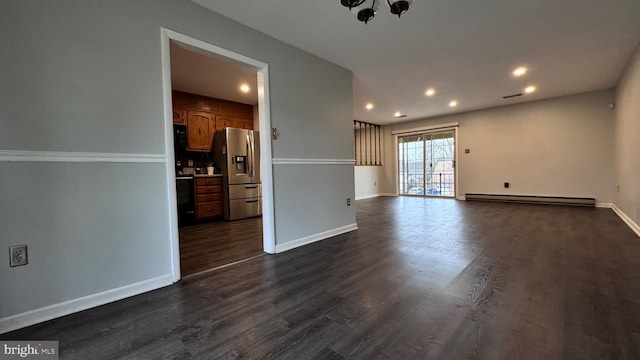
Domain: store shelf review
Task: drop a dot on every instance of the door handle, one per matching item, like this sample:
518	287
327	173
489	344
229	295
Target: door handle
251	201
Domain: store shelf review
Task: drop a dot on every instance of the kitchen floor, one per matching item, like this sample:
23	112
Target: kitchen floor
213	244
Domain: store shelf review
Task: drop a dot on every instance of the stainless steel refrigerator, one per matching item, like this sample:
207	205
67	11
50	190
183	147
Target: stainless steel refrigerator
237	153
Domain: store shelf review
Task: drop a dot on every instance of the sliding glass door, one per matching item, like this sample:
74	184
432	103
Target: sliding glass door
426	164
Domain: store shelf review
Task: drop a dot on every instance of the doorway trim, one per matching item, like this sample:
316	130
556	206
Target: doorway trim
268	228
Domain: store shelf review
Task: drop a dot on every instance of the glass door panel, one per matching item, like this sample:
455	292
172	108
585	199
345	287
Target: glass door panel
411	165
426	164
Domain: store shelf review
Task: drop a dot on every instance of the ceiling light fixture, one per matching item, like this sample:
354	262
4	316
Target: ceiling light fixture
529	89
397	114
245	88
366	9
453	103
430	92
369	106
520	71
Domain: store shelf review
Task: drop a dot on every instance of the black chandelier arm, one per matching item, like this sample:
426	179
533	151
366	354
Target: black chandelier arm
366	13
398	7
351	3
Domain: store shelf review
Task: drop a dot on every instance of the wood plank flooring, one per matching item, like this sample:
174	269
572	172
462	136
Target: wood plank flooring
420	279
211	244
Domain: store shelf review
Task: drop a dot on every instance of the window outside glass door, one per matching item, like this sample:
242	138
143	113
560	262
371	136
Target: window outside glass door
426	164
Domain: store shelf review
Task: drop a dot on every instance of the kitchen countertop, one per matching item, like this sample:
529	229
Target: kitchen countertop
189	177
206	175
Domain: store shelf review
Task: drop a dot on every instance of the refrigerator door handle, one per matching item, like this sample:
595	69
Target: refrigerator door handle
250	151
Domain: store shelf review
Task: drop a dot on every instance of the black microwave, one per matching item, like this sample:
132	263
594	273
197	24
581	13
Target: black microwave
179	137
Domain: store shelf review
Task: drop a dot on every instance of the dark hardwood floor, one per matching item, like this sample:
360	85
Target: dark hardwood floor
420	279
212	244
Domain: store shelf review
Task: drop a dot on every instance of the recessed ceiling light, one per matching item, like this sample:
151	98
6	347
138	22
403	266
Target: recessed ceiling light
245	88
520	71
453	103
529	89
369	106
397	114
430	92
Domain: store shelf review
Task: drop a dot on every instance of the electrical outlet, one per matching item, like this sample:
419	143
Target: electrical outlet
506	184
348	201
18	255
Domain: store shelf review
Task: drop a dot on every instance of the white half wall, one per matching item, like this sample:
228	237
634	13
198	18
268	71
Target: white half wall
366	181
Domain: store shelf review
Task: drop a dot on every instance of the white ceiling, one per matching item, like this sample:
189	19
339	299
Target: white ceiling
198	72
465	49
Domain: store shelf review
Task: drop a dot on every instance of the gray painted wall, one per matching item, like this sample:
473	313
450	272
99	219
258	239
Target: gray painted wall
85	76
557	147
627	139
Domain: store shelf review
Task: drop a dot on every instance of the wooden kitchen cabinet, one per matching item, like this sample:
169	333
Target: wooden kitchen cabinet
223	122
243	123
200	129
179	116
203	116
208	197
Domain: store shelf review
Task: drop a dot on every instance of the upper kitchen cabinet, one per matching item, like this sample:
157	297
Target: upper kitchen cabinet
235	115
200	129
179	116
243	123
204	115
223	121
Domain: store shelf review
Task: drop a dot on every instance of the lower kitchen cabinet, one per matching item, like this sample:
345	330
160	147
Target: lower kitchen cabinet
208	197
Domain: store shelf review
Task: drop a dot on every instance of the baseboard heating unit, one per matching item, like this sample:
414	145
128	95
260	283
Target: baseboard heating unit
529	199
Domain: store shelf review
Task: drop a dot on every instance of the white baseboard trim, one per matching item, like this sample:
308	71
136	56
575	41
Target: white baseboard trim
36	316
362	197
604	205
632	224
316	237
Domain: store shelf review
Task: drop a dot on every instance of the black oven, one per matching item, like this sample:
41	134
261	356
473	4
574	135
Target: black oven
186	200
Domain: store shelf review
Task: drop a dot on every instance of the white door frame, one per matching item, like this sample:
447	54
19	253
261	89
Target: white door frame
421	130
268	228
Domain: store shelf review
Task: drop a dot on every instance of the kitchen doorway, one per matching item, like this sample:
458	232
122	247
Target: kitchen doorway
228	236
